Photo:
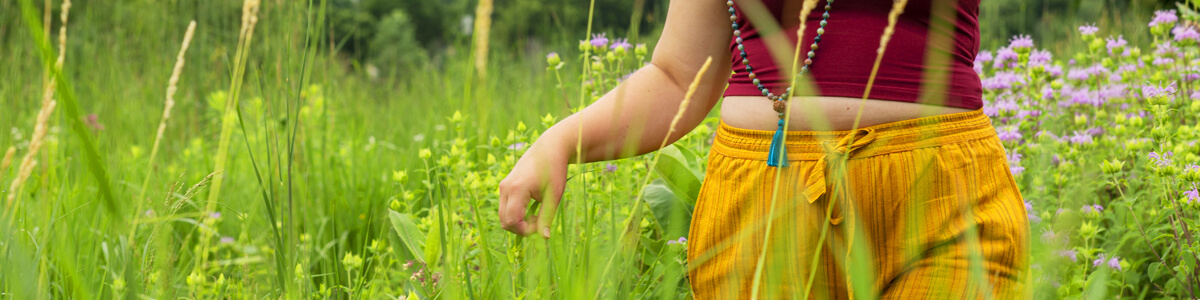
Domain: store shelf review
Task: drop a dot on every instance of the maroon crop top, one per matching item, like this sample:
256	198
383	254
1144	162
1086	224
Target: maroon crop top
848	49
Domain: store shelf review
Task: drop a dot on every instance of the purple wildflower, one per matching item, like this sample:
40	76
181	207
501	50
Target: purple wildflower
1028	205
1079	74
517	146
1003	56
1193	194
1099	260
1003	80
1080	138
983	56
1114	262
1165	48
1020	42
1071	253
1164	17
1007	105
215	215
1186	34
599	40
1161	160
1034	218
1151	91
1088	29
1098	207
1159	61
621	44
1039	57
680	241
1009	134
1117	43
227	240
609	167
1054	70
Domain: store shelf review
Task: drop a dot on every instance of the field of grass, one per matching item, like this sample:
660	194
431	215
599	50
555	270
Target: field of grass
286	171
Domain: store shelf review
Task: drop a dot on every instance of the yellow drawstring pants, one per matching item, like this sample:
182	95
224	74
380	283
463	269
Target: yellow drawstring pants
918	209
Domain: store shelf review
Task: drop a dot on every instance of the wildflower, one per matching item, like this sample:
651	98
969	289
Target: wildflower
408	264
598	41
1186	35
1099	260
620	45
517	146
1161	61
1165	48
1088	30
1071	253
400	176
1165	18
1040	57
425	153
553	60
1151	91
1162	160
640	50
1009	134
1193	194
680	241
1003	56
1054	70
1007	105
1003	80
93	121
1028	206
1116	44
215	215
1021	43
1114	262
226	240
983	56
1080	138
609	167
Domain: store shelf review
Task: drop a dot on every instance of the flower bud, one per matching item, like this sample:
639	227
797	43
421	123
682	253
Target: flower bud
1057	84
1096	45
1081	120
1135	52
553	60
597	66
1159	133
400	176
1136	121
520	126
584	46
395	205
640	50
1108	62
425	153
1111	167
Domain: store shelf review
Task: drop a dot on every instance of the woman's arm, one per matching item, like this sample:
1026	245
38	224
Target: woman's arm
636	115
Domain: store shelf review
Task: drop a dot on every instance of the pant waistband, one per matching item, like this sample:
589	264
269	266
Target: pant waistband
884	138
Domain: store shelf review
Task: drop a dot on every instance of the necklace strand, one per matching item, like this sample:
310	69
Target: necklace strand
780	105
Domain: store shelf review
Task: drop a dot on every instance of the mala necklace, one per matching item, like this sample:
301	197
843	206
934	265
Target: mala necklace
777	155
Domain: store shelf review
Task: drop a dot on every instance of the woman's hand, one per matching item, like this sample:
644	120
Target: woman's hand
540	174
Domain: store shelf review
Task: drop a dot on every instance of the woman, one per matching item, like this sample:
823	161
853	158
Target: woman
903	194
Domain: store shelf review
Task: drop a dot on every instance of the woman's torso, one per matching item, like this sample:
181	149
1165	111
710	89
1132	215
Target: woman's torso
844	60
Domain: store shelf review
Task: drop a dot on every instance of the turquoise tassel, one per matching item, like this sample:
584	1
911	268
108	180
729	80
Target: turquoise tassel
778	154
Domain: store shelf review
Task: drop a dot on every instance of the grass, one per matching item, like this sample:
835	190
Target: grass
284	172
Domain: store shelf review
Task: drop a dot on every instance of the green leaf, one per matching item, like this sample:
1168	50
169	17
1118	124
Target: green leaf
1153	271
674	216
674	166
1097	283
1187	12
433	241
411	237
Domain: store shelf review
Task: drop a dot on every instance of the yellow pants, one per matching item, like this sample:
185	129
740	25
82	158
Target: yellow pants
918	209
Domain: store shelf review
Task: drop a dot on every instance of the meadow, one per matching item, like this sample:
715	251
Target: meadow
255	162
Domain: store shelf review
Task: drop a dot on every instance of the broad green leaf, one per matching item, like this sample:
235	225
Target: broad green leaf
673	167
1097	284
433	240
411	237
672	215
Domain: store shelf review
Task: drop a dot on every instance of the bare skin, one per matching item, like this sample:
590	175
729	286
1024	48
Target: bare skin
634	118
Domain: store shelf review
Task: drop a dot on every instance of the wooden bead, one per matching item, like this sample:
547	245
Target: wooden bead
780	106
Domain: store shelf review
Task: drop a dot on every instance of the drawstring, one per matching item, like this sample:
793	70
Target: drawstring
833	163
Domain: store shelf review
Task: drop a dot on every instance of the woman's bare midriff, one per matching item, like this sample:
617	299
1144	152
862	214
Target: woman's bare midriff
824	113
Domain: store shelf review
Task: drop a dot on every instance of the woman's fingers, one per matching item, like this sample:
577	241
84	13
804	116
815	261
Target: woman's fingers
512	212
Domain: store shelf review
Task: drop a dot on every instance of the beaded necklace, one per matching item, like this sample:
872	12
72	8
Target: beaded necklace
777	155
